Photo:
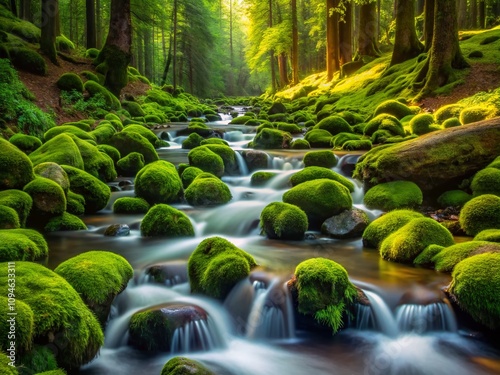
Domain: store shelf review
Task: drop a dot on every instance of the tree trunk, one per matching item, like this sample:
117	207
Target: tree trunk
50	12
367	42
283	69
379	16
482	14
429	23
406	44
332	39
13	7
271	53
115	56
148	52
98	23
462	14
231	53
345	35
167	62
91	27
174	55
25	10
473	14
295	44
139	42
420	7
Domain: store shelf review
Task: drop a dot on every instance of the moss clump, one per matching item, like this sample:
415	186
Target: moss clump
420	124
133	108
449	257
58	312
268	139
61	150
486	181
474	285
192	141
95	192
145	132
340	139
216	266
384	122
18	200
40	359
98	276
130	165
283	221
130	206
315	173
184	366
92	53
69	130
103	133
300	144
447	112
453	198
26	143
164	220
16	169
426	256
9	219
473	114
64	222
491	235
22	244
5	367
324	291
480	213
207	192
95	89
75	203
334	125
409	241
451	123
206	160
325	159
261	178
319	199
127	142
228	156
393	195
28	60
386	224
64	44
362	144
69	82
319	138
158	182
112	152
189	174
214	141
394	108
48	197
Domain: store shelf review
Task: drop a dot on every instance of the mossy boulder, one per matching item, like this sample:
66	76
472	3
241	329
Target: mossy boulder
449	257
41	360
9	219
54	172
16	169
447	112
184	366
216	266
357	145
283	221
98	276
420	124
268	139
61	149
325	159
69	130
18	200
69	82
189	174
207	192
145	132
130	165
112	152
491	235
22	244
486	181
315	173
48	197
60	316
127	142
322	290
5	365
28	59
340	139
424	259
405	244
64	222
300	144
133	108
451	123
385	122
95	192
158	182
206	160
192	141
94	89
261	178
347	224
474	285
319	138
130	206
393	195
164	220
23	327
103	133
319	199
26	143
394	108
228	156
75	203
469	115
480	213
453	198
334	125
386	224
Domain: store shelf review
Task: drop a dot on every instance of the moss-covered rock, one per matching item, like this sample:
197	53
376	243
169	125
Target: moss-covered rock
486	181
61	150
189	174
64	222
60	316
228	156
334	125
130	165
103	133
451	123
283	221
385	122
394	108
261	178
491	235
95	192
112	152
319	138
340	139
325	159
300	144
20	334
319	199
7	366
75	203
133	108
453	198
69	82
322	290
9	219
127	142
206	160
184	366
268	139
474	285
48	197
469	115
130	206
145	132
405	244
315	173
22	244
357	145
98	276
94	89
26	143
164	220
448	258
69	130
216	266
447	111
347	224
28	59
393	195
18	200
192	141
207	192
16	169
158	182
420	124
386	224
54	172
480	213
424	259
92	53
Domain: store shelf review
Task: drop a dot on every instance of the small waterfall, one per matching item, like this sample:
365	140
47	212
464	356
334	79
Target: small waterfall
382	315
196	335
363	318
284	164
242	165
436	316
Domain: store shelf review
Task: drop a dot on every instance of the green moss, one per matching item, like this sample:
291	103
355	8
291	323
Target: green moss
447	112
131	164
61	149
334	125
40	359
386	224
26	143
319	138
184	366
228	156
325	159
486	181
28	60
315	173
362	144
64	44
158	182
98	276
480	213
207	192
22	244
283	221
69	130
133	108
48	197
70	81
214	141
393	195
268	139
53	372
449	257
409	241
103	133
130	206
380	136
340	139
420	124
474	285
164	220
192	141
127	142
9	219
95	192
451	123
92	53
216	266
261	178
426	256
206	160
75	203
90	76
453	198
478	113
300	144
5	366
324	291
112	152
59	313
64	222
289	128
384	122
495	163
145	132
16	169
189	174
319	199
394	108
491	235
94	88
18	200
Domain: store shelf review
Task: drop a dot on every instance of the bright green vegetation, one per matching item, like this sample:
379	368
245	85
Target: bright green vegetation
480	213
447	112
192	141
112	152
491	235
184	366
406	243
22	244
130	206
453	198
324	291
150	330
486	181
422	124
9	219
449	257
385	122
283	221
394	108
315	173
75	203
207	160
425	258
393	195
48	197
189	174
53	172
386	224
127	142
61	149
319	199
268	139
473	114
16	169
26	143
163	220
20	201
319	138
4	365
261	178
300	144
334	125
58	312
63	222
98	276
23	328
474	285
70	81
325	159
130	165
228	156
216	265
39	359
207	192
69	130
94	89
340	139
145	132
158	182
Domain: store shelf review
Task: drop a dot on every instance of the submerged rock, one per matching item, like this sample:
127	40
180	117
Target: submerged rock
117	230
348	224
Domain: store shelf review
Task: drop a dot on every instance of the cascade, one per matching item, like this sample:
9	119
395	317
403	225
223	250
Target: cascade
196	335
436	316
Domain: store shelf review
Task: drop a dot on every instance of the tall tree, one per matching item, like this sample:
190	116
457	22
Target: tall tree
473	14
406	43
295	44
332	38
482	14
420	7
367	42
91	26
345	34
98	23
50	13
115	56
271	52
25	10
462	14
429	23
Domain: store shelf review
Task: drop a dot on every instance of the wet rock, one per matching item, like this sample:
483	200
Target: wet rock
255	160
124	183
117	230
348	224
347	164
168	273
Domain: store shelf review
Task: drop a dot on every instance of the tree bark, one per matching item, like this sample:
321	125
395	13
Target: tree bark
332	38
482	14
91	27
295	44
473	14
148	52
462	14
98	23
283	69
50	12
139	43
406	44
367	45
25	10
420	7
174	42
345	35
429	23
271	53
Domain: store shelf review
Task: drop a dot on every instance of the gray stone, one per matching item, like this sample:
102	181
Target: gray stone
348	224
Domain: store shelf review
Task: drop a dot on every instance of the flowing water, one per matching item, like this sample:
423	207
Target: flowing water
253	331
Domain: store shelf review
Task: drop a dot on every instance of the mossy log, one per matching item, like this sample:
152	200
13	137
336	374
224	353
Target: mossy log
434	161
